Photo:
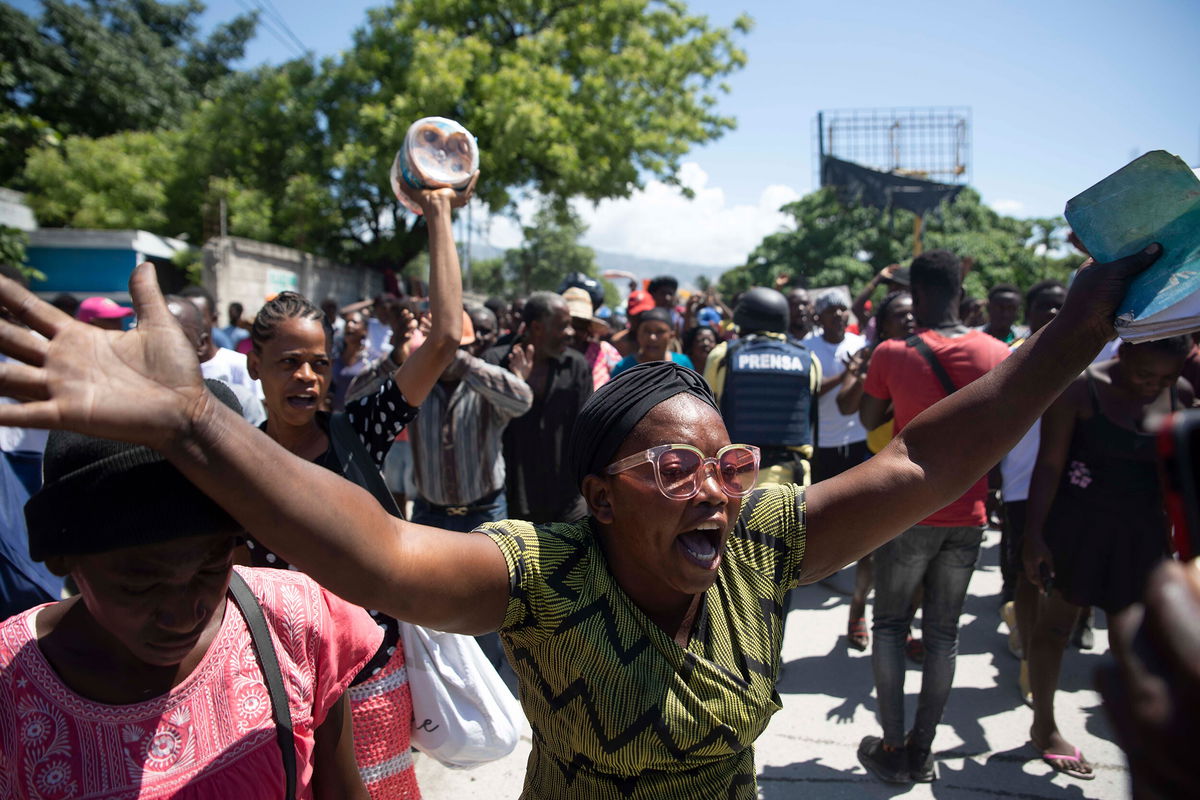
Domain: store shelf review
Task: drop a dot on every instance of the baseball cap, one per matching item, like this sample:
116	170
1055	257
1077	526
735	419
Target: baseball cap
639	301
101	308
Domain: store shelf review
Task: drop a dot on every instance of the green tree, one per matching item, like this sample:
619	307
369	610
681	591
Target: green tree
826	245
117	181
551	250
262	146
567	99
488	277
832	243
1050	236
106	66
13	242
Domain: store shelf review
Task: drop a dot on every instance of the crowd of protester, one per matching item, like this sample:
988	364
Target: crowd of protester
458	415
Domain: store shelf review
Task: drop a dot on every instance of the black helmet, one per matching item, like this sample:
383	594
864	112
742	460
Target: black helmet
585	282
761	310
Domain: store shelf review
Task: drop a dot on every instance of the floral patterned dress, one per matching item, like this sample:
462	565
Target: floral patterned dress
1106	528
212	736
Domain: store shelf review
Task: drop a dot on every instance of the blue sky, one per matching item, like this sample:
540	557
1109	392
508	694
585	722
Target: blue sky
1062	93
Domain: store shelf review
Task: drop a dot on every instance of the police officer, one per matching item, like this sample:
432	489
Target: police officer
766	383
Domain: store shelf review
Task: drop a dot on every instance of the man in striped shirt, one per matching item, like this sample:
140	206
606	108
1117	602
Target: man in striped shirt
456	441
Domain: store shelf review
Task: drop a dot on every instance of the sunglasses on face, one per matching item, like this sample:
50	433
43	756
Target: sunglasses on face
680	469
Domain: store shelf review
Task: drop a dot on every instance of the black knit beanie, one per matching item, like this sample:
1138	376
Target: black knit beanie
100	495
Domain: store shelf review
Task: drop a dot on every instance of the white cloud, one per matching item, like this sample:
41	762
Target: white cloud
659	222
504	230
1007	207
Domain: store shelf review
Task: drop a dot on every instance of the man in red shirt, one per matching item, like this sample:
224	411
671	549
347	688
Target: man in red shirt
940	552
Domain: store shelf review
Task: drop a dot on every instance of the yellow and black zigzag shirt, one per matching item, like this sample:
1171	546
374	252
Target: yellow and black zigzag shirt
618	708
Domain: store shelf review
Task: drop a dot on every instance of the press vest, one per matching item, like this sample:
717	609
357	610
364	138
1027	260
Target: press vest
767	399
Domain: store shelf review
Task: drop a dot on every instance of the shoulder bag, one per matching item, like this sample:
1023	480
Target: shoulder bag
463	713
268	663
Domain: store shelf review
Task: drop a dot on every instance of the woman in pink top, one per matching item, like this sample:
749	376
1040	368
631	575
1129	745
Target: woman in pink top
147	684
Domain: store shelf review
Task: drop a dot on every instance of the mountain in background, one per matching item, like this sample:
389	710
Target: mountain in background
644	268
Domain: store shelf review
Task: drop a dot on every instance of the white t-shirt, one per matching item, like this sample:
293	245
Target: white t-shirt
229	367
379	339
1016	468
835	429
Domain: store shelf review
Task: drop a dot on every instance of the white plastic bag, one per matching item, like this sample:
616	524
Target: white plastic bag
463	713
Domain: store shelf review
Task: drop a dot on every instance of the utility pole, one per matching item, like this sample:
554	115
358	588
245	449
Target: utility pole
467	255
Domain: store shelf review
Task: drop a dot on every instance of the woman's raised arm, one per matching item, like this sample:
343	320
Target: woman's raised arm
418	373
947	447
144	386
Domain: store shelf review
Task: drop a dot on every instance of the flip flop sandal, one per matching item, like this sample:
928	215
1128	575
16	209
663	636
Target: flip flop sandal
1073	771
857	635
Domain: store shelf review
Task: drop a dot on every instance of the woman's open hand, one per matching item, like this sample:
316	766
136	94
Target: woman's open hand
141	385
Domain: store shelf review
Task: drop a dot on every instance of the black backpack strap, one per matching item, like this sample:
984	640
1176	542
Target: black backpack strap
264	648
357	465
915	341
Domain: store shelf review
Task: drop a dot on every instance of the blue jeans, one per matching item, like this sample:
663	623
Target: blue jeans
424	514
941	559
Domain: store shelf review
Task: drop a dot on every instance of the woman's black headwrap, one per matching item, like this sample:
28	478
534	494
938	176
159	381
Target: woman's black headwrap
612	412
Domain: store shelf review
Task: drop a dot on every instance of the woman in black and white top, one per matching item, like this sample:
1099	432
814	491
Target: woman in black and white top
292	357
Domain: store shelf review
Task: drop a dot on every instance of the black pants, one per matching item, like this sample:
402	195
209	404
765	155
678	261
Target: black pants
830	461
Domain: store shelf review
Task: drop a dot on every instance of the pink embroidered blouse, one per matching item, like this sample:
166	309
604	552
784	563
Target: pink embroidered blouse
212	736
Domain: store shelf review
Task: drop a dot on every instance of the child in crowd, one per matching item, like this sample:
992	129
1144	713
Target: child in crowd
1095	526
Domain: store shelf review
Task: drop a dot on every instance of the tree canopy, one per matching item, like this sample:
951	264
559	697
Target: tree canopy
106	66
831	243
567	100
117	181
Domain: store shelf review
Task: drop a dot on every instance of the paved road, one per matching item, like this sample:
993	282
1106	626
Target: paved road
808	751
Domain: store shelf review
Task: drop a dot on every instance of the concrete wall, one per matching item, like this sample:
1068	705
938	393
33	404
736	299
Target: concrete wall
248	272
